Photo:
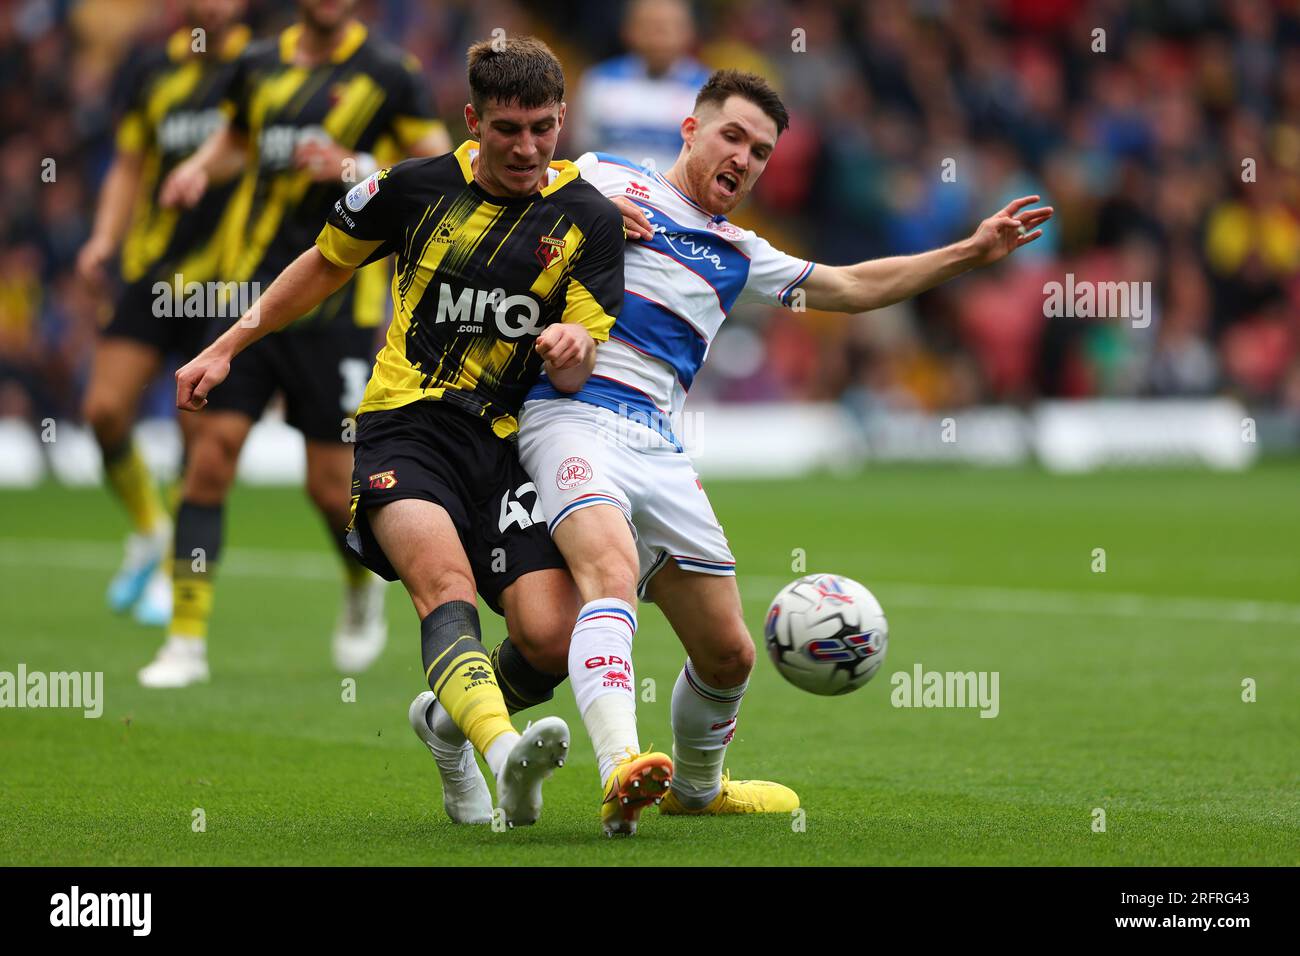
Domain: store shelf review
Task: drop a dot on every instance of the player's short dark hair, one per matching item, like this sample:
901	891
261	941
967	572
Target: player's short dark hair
724	84
520	70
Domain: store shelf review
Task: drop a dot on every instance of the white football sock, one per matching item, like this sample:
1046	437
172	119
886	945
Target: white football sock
498	751
704	720
611	722
448	745
444	728
600	669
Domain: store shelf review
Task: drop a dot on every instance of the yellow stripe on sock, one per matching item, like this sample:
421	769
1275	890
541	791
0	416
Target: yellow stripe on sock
469	692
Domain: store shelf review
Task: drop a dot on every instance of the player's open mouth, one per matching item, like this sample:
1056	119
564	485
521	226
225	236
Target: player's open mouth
728	182
521	170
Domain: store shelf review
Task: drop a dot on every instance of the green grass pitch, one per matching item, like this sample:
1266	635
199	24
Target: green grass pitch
1119	690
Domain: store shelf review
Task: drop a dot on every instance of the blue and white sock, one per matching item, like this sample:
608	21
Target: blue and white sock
600	670
704	721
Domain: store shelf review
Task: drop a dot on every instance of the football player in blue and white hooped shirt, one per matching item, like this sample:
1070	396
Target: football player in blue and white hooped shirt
623	500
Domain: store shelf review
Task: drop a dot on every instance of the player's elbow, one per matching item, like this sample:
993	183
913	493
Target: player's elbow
862	295
319	266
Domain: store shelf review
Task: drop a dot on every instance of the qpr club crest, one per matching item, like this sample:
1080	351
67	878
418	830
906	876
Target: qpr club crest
572	473
726	230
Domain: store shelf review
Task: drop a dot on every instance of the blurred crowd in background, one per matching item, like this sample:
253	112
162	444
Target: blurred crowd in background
1169	144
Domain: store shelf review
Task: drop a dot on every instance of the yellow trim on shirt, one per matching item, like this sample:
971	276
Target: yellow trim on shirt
342	250
353	37
581	308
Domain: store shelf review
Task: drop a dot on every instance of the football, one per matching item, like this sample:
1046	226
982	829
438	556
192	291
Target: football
826	634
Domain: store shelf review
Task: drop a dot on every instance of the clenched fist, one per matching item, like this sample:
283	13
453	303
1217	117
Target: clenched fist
564	345
197	378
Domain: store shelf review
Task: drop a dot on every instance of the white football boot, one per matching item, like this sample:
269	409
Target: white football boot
154	609
362	629
141	557
464	791
180	662
541	748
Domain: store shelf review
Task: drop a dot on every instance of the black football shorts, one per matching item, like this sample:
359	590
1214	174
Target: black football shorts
134	318
322	371
433	451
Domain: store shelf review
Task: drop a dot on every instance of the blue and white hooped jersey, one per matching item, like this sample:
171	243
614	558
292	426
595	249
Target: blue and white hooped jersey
679	287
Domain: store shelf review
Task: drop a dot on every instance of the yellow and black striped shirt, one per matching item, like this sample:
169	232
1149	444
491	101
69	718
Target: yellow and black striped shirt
478	278
370	97
172	103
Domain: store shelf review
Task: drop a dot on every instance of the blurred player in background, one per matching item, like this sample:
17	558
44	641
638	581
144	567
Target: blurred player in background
171	104
625	505
507	264
309	110
633	104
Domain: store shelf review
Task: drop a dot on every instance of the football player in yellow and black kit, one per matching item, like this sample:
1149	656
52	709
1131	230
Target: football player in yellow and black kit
310	110
171	98
507	264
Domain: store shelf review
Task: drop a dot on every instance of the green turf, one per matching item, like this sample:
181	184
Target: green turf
1129	703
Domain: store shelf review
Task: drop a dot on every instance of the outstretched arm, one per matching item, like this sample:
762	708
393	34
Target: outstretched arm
116	198
305	284
880	282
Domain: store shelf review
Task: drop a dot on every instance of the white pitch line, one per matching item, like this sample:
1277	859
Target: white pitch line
87	555
322	565
1070	603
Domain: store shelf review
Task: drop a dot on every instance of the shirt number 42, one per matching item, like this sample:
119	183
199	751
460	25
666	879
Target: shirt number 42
513	511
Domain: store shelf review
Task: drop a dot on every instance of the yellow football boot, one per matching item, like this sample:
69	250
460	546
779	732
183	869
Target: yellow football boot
634	783
738	796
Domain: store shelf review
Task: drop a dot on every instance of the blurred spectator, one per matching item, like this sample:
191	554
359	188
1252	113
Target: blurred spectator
633	105
1170	147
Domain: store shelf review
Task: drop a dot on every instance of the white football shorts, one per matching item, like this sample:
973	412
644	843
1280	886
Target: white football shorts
579	455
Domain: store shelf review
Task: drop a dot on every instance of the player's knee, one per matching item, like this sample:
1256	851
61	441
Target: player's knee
210	470
109	421
731	660
607	574
328	492
431	591
548	651
543	638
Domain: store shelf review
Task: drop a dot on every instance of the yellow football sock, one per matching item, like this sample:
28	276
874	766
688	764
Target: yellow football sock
174	489
355	574
194	569
134	486
191	600
460	675
466	687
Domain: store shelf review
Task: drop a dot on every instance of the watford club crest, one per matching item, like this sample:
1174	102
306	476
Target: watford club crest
550	250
